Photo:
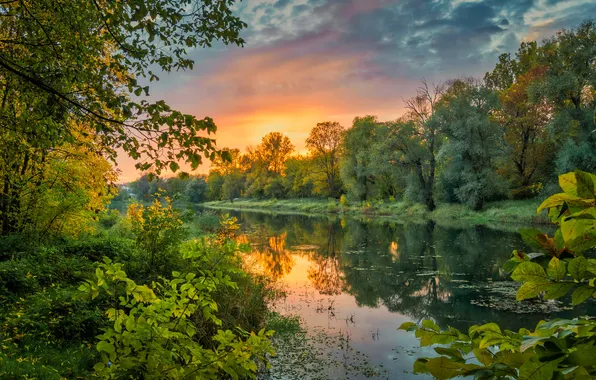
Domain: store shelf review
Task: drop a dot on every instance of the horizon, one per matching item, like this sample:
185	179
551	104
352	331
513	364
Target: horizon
312	61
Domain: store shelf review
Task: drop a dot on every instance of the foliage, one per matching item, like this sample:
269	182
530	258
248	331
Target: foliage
157	228
196	190
474	142
153	331
556	349
324	142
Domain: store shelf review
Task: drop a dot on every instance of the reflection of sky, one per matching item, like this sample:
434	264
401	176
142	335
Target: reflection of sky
307	61
383	274
373	331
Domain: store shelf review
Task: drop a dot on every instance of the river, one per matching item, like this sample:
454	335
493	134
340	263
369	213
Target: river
353	281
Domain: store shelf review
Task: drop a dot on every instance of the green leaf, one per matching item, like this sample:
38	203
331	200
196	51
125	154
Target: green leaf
430	325
443	368
585	184
584	356
451	352
528	271
531	289
483	356
558	290
99	366
577	268
420	365
531	341
534	369
490	339
555	201
581	294
582	242
104	346
568	183
530	237
556	269
408	326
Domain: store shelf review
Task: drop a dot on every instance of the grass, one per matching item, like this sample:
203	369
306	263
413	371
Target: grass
518	212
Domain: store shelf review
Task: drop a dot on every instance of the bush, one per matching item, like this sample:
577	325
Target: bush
109	218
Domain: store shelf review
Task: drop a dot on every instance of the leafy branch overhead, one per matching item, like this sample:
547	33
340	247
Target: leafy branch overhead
93	60
558	349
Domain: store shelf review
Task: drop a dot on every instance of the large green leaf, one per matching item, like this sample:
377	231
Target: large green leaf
568	183
556	200
556	269
443	368
558	290
586	187
577	268
581	294
530	236
529	271
532	289
534	369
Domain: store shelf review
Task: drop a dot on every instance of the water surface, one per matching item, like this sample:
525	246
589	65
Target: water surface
355	281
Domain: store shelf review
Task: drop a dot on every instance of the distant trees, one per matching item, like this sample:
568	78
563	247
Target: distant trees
474	142
421	147
274	150
324	142
463	141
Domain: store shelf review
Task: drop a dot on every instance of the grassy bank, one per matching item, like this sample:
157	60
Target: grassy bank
518	212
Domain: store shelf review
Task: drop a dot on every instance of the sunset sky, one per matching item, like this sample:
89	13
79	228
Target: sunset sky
308	61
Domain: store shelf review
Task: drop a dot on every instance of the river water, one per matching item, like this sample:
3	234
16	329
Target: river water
353	282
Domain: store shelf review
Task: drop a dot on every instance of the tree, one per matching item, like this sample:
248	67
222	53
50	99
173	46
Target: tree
324	143
299	180
274	150
227	161
79	68
569	85
197	190
425	134
355	167
529	145
474	142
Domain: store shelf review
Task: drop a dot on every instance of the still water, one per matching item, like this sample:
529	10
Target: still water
352	282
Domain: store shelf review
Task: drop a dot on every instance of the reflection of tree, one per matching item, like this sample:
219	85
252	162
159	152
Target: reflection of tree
421	270
325	273
273	258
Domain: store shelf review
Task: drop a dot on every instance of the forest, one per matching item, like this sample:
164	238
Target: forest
465	141
150	290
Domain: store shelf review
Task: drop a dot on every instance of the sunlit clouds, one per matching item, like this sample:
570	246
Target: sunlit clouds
310	61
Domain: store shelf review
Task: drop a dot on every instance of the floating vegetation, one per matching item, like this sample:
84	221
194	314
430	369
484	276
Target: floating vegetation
318	354
500	295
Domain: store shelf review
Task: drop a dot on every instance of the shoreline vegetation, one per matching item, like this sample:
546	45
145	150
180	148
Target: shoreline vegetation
519	212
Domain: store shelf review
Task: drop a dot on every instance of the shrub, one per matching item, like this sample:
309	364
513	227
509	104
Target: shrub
158	230
151	332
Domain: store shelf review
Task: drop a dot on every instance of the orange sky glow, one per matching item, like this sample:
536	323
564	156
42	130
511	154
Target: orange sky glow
309	61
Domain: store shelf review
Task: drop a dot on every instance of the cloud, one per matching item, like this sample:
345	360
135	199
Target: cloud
307	61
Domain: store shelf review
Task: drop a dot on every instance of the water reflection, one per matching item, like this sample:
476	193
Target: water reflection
379	273
422	270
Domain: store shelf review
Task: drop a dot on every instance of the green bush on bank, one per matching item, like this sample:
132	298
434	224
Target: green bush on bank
50	322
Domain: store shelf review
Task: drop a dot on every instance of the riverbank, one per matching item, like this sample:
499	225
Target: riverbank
518	212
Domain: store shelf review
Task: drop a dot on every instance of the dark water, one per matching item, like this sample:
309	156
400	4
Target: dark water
362	279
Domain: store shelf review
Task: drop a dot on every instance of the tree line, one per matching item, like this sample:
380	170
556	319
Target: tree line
464	141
